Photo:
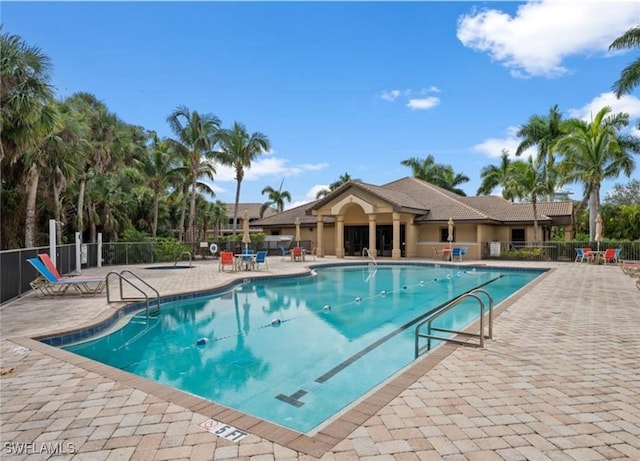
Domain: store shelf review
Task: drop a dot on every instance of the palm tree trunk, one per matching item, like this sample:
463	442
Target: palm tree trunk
156	206
57	211
192	212
235	210
535	221
80	210
33	176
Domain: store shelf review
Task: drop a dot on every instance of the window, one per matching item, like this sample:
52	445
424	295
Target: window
444	234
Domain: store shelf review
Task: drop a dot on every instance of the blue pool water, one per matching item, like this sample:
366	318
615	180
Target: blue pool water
296	351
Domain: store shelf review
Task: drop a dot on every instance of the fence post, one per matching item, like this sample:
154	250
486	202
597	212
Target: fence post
52	242
99	249
78	251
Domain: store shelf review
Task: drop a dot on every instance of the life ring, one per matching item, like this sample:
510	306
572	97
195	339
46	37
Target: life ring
213	248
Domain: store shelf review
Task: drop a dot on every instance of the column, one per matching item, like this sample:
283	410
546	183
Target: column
372	235
340	236
412	239
319	236
396	253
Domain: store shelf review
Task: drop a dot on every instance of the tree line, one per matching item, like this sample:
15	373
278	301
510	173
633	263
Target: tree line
75	161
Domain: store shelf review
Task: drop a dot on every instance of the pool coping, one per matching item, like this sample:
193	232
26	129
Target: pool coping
329	434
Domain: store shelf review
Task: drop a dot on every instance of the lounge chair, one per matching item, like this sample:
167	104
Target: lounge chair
48	262
285	253
226	260
260	258
47	284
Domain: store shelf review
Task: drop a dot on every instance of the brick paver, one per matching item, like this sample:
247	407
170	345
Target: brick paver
559	381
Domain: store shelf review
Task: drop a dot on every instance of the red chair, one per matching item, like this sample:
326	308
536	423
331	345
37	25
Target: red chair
226	260
587	254
609	255
297	254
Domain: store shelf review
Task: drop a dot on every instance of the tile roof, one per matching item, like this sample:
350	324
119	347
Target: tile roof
432	204
253	210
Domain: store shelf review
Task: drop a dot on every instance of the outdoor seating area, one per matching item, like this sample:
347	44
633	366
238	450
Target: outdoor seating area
245	261
608	256
451	254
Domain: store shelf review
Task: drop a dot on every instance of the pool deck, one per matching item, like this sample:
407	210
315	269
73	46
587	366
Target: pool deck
560	381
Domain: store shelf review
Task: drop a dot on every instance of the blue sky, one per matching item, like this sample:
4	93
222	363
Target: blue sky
341	87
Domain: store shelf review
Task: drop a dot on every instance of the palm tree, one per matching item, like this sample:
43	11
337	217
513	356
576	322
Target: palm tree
630	76
276	197
159	170
496	176
219	216
64	148
436	173
544	132
527	182
342	179
25	96
238	149
594	152
196	135
451	180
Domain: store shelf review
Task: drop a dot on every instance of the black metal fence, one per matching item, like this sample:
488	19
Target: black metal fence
16	273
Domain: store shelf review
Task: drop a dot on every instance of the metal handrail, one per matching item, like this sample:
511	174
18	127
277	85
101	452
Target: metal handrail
179	258
430	328
122	278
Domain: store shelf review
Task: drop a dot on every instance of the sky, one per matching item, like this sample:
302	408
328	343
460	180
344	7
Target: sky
341	87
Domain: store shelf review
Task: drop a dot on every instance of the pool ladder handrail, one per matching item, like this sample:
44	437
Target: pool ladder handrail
179	258
372	262
122	278
430	328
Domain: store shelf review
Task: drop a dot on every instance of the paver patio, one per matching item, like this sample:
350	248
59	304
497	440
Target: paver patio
559	381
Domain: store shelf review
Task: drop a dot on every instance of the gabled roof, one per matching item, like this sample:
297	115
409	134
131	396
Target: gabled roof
431	204
399	200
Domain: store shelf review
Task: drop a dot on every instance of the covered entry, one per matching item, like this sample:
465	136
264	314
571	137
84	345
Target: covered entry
356	238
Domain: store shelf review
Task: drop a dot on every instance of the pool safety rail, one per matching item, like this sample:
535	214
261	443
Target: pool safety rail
135	282
428	322
179	258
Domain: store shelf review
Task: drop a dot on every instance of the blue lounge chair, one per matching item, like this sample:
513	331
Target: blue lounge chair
48	284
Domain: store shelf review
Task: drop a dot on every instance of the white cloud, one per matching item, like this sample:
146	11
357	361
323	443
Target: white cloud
493	147
390	95
310	196
423	103
627	103
536	40
266	167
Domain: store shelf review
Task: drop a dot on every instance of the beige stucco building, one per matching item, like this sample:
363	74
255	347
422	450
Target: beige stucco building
410	218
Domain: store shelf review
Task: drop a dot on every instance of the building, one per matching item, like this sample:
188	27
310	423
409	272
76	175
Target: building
410	218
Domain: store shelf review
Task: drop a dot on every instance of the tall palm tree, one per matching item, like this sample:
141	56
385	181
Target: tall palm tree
342	179
196	134
64	148
596	151
238	149
159	169
544	132
25	96
219	216
35	160
439	174
451	180
496	176
528	182
276	198
630	75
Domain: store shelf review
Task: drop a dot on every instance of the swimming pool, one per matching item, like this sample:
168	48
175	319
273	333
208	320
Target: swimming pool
296	351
